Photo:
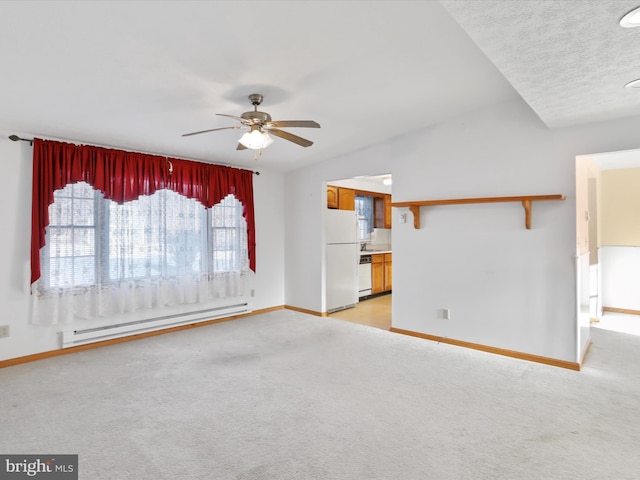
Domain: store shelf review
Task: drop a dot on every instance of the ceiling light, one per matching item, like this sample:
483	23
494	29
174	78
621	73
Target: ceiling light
256	139
631	19
387	181
633	84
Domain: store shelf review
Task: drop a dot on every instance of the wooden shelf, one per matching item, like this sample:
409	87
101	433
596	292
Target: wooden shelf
526	201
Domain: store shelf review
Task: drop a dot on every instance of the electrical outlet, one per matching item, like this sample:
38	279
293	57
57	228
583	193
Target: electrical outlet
253	293
445	313
4	331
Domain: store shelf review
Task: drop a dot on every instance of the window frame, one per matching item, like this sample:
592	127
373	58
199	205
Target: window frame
101	244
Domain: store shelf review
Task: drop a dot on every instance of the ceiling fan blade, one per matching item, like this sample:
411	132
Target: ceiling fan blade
293	123
291	137
211	130
230	116
240	147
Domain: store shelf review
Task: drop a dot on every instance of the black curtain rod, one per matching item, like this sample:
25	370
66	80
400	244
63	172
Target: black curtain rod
16	138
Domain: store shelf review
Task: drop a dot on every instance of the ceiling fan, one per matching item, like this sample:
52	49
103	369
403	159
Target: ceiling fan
260	127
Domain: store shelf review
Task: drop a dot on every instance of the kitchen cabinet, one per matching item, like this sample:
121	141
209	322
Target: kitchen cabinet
381	272
387	272
341	198
387	211
332	196
378	212
382	211
377	274
346	199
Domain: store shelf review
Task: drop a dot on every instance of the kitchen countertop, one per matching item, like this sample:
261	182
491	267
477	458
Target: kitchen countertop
373	252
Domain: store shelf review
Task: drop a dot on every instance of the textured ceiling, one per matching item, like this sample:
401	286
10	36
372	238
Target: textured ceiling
138	74
568	59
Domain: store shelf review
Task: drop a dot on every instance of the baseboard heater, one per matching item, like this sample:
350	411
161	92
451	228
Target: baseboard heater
97	334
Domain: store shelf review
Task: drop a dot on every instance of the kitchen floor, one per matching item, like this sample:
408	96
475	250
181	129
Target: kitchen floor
374	312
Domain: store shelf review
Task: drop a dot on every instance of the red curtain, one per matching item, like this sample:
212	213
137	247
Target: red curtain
123	176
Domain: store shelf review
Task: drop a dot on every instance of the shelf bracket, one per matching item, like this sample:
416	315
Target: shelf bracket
415	209
527	213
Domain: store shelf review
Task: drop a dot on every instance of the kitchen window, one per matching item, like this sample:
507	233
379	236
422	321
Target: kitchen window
365	213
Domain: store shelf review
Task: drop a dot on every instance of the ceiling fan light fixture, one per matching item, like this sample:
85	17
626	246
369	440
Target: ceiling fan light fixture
631	19
256	139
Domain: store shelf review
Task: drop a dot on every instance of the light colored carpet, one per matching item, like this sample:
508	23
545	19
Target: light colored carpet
285	395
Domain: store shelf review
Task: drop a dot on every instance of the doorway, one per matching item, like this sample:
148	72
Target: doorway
607	200
370	198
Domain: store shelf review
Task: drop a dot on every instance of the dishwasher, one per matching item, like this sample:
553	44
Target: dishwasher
364	276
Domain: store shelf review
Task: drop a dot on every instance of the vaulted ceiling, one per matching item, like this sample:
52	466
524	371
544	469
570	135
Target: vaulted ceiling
137	75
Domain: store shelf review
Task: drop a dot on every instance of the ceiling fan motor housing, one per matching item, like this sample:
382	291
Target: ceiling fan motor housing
256	117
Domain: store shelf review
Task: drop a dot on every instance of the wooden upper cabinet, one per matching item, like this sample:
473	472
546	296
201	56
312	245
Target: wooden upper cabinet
332	196
387	211
346	199
378	212
382	211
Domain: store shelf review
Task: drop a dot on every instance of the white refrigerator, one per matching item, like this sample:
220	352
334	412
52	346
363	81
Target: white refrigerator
343	257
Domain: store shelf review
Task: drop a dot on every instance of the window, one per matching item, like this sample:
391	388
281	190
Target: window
228	236
72	237
95	241
364	211
173	232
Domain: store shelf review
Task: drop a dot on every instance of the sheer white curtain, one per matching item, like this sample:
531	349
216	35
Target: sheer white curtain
103	259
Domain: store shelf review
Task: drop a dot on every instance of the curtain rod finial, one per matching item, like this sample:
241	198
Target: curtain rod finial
16	138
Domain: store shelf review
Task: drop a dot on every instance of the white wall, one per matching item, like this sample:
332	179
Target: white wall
587	171
506	286
268	190
15	194
620	251
620	277
357	184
